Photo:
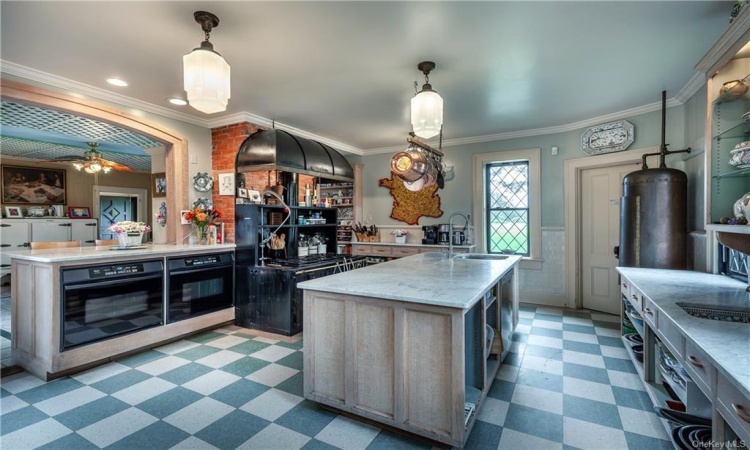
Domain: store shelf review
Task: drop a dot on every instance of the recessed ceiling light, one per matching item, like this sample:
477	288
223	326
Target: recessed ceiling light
177	101
116	82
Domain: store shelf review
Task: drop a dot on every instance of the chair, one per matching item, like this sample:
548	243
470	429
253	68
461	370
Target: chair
107	242
46	245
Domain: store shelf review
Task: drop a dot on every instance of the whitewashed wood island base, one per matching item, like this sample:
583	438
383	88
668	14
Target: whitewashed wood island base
36	308
403	343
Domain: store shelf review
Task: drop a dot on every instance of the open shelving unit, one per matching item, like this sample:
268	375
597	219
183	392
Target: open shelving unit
341	196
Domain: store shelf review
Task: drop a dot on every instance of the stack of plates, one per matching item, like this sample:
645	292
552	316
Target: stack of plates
634	338
680	418
692	437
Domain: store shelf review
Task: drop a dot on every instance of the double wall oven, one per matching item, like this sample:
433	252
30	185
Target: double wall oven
108	300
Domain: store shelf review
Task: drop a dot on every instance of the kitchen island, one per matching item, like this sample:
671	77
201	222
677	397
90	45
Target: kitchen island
39	341
405	343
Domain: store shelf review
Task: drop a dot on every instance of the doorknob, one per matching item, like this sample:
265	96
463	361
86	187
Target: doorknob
616	251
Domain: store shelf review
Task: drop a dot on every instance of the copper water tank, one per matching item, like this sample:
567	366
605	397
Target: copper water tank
653	219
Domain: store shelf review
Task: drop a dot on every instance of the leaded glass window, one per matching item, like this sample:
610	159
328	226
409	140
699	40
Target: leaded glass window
507	200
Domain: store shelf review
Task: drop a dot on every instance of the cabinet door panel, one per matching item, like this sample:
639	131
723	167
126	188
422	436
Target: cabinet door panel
84	231
50	230
374	359
13	235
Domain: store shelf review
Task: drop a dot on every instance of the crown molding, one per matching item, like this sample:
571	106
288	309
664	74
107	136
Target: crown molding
63	83
94	92
268	123
691	87
119	99
542	131
728	44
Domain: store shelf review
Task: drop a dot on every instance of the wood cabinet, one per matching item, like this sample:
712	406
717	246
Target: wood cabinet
392	250
17	233
422	368
672	360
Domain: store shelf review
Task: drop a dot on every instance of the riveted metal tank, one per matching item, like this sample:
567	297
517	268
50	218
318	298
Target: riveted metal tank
653	219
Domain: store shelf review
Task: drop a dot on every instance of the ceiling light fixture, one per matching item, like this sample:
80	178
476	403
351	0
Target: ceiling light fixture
177	101
426	106
93	161
206	73
117	82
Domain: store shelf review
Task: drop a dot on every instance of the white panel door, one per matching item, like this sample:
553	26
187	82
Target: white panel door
601	189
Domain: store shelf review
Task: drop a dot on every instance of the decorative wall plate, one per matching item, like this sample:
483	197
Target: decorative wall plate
608	137
203	182
204	202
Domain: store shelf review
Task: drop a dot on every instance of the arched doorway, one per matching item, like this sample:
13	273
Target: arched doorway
175	145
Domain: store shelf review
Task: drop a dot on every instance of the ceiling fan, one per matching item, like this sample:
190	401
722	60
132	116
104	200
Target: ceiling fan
91	161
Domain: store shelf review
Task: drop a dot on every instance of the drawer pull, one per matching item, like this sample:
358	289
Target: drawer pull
694	361
648	311
740	410
634	296
624	285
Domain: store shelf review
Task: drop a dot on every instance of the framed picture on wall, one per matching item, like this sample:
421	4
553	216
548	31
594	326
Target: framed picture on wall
79	212
33	185
226	184
159	184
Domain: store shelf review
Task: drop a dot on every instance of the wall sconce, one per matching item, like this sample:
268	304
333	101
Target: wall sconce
426	106
206	73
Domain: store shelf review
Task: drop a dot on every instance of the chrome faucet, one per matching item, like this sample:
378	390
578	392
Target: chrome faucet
450	231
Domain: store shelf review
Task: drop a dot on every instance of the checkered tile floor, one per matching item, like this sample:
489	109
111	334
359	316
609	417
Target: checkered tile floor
567	383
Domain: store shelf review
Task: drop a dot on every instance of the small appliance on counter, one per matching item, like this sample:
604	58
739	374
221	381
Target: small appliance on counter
430	234
443	233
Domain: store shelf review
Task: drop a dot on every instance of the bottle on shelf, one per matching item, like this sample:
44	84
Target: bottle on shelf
308	199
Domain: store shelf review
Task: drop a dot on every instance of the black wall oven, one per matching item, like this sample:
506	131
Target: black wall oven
199	285
108	300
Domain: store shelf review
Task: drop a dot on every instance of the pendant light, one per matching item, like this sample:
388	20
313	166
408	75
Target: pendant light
206	74
426	106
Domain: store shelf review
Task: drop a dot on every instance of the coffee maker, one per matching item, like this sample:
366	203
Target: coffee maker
430	234
443	234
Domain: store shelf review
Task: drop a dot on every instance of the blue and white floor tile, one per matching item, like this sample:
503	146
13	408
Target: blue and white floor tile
567	383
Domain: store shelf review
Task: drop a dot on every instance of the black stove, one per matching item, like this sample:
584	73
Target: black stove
308	262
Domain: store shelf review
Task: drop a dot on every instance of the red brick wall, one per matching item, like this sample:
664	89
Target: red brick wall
225	141
224	144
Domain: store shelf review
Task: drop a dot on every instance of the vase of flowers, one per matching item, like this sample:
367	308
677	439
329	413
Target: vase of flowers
129	234
399	236
201	218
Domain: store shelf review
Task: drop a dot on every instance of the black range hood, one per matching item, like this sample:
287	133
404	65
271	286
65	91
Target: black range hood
279	150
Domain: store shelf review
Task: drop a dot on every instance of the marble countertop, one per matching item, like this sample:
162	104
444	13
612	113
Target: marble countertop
414	244
428	278
727	344
79	254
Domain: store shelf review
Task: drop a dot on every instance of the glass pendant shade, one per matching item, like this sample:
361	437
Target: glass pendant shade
206	79
427	113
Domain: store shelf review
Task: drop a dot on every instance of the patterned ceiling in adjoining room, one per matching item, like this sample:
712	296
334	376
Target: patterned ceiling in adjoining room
44	134
42	151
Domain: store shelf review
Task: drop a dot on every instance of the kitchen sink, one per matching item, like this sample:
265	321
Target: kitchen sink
740	314
480	256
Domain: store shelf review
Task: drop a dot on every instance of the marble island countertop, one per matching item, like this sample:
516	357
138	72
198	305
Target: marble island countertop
415	244
82	254
727	344
428	278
